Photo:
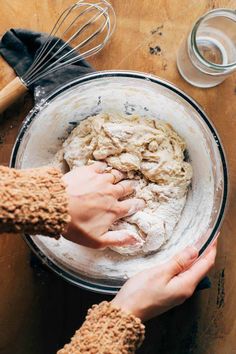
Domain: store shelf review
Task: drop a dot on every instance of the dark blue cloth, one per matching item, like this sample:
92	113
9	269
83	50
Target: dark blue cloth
19	47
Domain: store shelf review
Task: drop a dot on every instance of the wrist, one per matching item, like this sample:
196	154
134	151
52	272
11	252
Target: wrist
126	306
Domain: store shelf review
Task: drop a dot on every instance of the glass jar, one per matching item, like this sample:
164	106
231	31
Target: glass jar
208	55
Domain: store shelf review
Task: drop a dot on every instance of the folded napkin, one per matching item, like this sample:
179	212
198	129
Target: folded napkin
19	47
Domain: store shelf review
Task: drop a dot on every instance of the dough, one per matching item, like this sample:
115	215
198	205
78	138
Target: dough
152	154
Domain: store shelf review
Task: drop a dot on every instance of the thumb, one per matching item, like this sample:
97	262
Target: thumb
182	261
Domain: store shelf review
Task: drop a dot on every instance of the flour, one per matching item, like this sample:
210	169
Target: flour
152	154
106	269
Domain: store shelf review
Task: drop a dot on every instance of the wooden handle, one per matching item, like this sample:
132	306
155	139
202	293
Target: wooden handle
10	93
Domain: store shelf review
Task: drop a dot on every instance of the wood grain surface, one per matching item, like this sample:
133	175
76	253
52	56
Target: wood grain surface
38	311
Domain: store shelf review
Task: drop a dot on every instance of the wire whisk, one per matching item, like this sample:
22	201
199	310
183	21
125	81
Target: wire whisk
85	26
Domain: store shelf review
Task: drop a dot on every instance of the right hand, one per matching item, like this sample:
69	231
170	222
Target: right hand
157	290
95	203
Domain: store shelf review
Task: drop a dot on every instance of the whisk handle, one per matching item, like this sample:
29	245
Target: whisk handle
10	93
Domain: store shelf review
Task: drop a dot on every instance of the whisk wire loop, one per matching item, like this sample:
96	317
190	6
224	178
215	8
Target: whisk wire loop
51	57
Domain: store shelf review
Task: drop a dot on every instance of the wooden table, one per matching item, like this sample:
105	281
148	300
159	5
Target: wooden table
38	311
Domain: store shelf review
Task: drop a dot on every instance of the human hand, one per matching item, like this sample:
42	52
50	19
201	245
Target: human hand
94	205
157	290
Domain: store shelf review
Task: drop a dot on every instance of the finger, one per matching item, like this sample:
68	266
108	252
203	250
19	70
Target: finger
114	176
98	167
122	189
181	262
118	238
198	271
215	241
130	206
212	245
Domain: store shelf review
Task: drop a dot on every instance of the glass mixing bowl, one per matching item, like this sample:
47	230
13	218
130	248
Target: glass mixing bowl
126	92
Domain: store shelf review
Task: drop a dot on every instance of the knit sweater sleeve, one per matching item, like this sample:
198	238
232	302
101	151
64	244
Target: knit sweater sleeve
33	201
106	330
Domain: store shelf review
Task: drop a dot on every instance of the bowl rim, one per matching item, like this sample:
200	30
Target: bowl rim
66	274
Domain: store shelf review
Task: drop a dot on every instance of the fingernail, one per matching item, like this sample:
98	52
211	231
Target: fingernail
192	252
141	204
217	236
136	241
137	205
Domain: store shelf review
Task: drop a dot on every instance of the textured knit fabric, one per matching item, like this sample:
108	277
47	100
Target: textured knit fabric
106	330
33	201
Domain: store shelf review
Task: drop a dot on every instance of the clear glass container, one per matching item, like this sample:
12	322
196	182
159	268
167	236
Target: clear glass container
208	56
126	92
